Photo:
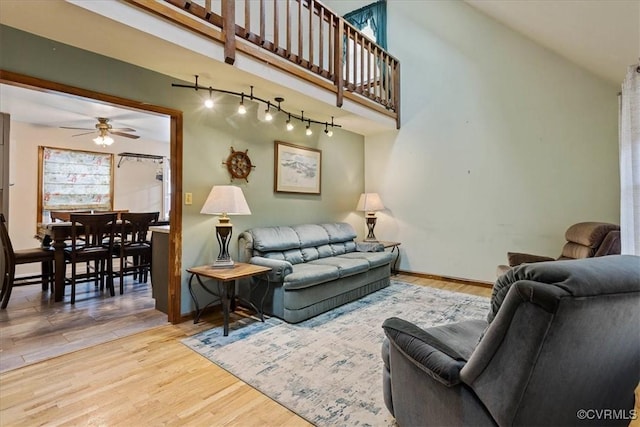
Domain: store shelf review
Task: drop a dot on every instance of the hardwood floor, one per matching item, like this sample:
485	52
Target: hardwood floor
148	378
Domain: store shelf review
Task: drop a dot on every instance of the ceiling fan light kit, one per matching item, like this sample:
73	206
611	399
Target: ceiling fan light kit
105	130
242	109
103	141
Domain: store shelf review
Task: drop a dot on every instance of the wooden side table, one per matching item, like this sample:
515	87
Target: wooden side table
226	280
394	248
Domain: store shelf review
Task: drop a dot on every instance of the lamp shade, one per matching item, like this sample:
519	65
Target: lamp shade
225	200
370	202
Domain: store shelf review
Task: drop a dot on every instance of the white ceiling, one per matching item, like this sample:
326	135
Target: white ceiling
602	36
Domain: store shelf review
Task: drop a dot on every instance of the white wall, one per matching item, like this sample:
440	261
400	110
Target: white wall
503	144
135	186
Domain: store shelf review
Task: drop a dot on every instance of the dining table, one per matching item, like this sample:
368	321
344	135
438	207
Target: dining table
56	235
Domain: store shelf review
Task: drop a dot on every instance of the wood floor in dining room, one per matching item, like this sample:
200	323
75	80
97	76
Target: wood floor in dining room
116	361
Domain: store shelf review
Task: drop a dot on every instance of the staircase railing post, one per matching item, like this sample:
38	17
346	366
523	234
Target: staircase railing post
229	30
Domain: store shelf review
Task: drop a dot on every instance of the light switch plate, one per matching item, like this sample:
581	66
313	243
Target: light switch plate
188	198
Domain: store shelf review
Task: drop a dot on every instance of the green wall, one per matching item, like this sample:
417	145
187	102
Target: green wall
207	138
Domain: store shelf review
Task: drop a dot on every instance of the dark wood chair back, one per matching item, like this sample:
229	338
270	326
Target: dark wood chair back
92	240
64	216
135	226
135	245
10	258
90	232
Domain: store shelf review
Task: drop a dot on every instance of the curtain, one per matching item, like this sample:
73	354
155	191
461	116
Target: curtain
73	179
375	15
629	134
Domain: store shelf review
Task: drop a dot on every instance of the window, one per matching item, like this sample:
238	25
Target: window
74	180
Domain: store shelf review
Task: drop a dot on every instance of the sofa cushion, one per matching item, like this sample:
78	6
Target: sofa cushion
346	266
267	239
294	256
375	259
310	235
339	232
308	274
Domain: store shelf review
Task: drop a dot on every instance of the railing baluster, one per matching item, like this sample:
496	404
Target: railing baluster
311	47
276	26
247	18
332	31
376	83
369	71
300	31
337	58
362	43
387	78
321	42
347	56
289	28
262	23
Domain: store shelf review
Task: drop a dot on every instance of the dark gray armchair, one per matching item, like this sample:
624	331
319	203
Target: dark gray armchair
560	337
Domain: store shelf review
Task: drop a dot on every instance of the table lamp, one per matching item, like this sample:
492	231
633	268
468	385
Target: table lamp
370	203
225	200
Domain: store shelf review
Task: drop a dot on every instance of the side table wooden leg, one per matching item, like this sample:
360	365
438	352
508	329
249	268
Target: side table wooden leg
227	295
193	297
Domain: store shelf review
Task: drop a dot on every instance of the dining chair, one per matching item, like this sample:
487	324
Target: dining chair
92	240
135	245
11	258
64	216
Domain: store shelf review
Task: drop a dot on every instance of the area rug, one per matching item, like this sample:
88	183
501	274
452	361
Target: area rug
328	369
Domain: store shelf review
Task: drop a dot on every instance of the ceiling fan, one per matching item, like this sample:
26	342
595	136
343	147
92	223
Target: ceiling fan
104	129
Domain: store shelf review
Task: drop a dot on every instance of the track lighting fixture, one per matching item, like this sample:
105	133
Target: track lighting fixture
242	109
267	114
328	131
209	101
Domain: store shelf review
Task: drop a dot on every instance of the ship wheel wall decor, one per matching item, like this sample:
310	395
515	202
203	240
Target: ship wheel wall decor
239	164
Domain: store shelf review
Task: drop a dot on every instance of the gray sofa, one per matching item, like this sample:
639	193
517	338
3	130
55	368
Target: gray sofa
560	346
315	267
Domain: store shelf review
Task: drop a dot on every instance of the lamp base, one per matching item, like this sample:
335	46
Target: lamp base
223	263
371	223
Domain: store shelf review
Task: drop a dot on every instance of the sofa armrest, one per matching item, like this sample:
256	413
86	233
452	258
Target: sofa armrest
516	258
424	350
279	268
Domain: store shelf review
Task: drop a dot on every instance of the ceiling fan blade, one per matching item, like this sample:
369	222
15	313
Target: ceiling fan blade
84	133
123	130
69	127
126	135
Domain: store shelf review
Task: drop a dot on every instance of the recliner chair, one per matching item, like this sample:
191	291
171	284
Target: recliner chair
584	240
560	346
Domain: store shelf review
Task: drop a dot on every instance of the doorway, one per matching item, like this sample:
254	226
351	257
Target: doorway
175	165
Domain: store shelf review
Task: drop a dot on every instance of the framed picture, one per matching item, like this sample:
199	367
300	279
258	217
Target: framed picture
297	169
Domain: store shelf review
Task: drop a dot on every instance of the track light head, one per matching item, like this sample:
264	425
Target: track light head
309	132
241	108
267	114
208	103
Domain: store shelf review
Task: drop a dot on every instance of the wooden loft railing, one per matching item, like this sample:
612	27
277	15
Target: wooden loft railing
301	37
